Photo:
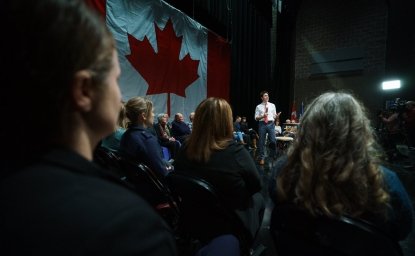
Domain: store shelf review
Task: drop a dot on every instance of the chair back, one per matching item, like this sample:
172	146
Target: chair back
143	180
203	215
296	232
152	188
109	160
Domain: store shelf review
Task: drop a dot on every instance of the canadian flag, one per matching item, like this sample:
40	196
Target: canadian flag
165	55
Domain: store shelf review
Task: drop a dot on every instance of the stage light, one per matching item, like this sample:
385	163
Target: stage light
393	84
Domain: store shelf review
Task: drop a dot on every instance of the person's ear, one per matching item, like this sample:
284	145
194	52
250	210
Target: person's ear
143	116
82	91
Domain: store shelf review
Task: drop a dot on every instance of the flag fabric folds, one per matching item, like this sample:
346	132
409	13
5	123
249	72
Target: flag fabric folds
166	56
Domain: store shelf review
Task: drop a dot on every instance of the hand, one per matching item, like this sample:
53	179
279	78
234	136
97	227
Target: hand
279	113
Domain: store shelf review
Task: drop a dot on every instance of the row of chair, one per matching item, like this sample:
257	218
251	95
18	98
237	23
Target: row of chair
190	205
296	232
193	209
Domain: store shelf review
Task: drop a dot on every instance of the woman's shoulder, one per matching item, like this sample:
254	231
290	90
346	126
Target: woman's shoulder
388	175
235	147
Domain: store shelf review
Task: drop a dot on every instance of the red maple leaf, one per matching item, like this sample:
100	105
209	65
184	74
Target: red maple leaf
163	71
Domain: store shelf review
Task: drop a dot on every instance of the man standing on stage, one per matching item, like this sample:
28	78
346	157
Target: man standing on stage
266	113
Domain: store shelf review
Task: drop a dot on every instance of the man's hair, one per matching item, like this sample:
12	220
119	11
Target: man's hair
262	93
332	166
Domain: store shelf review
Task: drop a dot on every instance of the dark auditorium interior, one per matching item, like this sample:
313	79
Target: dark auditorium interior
297	49
293	51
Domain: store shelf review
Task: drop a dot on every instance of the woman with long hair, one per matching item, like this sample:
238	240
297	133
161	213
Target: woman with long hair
332	168
211	153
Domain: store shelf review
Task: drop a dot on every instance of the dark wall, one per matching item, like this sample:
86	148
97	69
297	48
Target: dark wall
379	28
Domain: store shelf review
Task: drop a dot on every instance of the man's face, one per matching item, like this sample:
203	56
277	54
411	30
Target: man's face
265	97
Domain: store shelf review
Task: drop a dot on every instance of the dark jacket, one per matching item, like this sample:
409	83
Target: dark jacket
66	205
180	130
139	144
232	171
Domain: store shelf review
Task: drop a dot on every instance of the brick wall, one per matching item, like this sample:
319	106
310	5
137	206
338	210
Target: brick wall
328	25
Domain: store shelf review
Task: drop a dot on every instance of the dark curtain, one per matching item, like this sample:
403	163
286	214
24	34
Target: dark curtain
284	67
251	56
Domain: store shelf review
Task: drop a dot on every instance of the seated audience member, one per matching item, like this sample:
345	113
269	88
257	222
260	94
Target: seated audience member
409	118
393	127
253	135
212	154
332	169
179	128
54	200
409	125
164	135
190	123
239	135
112	141
290	128
168	122
278	129
137	142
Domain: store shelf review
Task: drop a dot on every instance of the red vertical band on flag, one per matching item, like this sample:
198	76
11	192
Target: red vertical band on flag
218	67
99	5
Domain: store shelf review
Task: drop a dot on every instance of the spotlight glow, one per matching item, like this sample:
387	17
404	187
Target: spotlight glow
394	84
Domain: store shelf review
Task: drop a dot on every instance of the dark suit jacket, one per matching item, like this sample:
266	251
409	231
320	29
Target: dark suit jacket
66	205
180	130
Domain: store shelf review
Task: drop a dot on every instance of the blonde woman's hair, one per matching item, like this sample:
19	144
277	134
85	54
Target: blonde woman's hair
212	129
136	106
122	117
332	167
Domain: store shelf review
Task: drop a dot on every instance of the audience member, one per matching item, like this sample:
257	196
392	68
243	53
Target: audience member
253	135
179	128
190	123
168	122
60	61
212	154
278	129
332	169
137	142
112	141
239	135
409	118
392	121
164	135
